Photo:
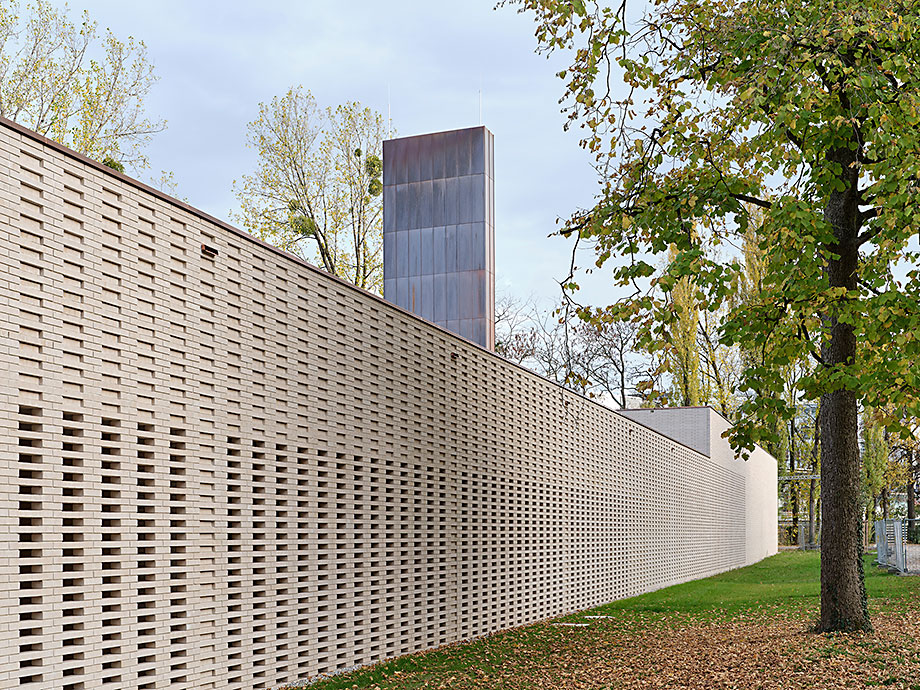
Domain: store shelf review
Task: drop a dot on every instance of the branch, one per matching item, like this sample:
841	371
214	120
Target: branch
865	160
734	195
798	142
868	287
803	331
870	232
751	200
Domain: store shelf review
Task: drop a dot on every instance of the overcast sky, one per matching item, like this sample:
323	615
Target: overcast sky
217	60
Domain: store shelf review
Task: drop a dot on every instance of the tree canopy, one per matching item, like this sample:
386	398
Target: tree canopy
67	83
317	192
800	120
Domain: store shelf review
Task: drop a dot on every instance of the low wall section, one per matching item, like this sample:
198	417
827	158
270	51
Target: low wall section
236	471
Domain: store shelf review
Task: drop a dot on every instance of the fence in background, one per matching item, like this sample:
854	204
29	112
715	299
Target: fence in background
800	535
891	543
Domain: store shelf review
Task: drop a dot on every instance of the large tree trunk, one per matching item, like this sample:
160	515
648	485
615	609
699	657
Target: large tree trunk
843	591
843	604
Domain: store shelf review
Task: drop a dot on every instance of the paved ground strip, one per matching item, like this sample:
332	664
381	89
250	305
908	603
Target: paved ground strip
913	559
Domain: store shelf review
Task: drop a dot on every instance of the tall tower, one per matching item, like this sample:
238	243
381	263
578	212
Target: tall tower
439	230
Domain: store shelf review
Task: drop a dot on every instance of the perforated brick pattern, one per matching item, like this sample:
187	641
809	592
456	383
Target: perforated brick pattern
233	471
687	425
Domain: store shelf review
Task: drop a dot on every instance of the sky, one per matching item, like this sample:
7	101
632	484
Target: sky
425	61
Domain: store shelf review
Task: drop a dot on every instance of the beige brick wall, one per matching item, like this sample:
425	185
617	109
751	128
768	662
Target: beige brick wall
236	471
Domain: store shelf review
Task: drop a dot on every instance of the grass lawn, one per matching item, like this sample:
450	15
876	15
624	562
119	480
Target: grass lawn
748	628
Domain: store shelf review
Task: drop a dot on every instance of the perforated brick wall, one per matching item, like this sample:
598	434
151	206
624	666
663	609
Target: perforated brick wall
234	471
688	425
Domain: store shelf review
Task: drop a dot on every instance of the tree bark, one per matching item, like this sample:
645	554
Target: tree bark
843	605
818	518
811	512
911	493
794	489
843	591
911	501
813	485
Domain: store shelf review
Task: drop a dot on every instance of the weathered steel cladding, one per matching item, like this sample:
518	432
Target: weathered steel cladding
439	259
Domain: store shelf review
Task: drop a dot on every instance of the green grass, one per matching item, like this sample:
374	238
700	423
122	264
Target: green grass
486	655
785	584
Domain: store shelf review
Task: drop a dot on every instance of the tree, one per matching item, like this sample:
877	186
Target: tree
515	336
613	364
600	360
701	370
317	192
720	366
56	79
877	466
683	354
908	452
808	111
558	352
888	466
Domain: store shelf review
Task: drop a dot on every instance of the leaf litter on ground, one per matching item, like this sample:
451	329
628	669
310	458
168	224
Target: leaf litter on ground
750	628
